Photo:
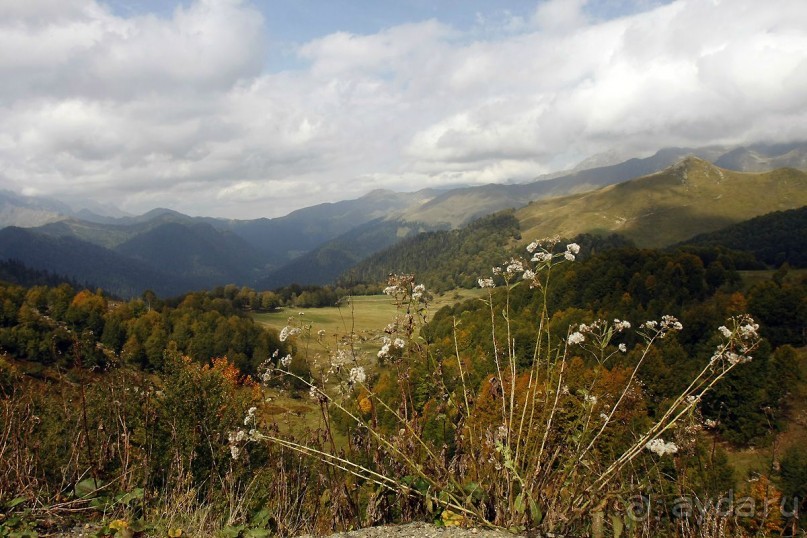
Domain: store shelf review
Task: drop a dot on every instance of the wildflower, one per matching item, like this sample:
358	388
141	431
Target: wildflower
235	452
661	448
391	290
724	331
285	361
486	283
384	351
569	256
574	248
542	257
287	331
651	324
670	323
749	330
514	266
321	333
623	348
621	325
497	270
399	343
709	423
418	291
357	375
576	338
528	274
590	399
532	246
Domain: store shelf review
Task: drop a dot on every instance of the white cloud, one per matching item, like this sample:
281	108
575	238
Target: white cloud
180	110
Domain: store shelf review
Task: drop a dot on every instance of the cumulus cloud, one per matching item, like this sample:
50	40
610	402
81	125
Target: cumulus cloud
186	110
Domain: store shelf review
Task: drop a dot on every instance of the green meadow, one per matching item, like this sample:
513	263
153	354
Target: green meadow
364	315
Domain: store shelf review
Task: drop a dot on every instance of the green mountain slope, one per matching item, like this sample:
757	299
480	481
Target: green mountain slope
443	259
675	204
774	238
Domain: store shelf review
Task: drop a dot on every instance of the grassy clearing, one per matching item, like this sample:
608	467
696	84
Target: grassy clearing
754	277
364	314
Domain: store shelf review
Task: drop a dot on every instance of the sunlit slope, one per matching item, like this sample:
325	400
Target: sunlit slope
688	198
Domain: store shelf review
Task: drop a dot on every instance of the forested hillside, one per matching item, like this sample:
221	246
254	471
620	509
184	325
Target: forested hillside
444	259
773	239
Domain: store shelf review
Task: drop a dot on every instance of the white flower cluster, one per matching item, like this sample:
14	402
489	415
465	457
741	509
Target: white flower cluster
514	266
667	325
541	257
250	418
418	292
739	342
621	325
287	331
392	291
286	361
661	448
576	338
357	375
486	283
572	249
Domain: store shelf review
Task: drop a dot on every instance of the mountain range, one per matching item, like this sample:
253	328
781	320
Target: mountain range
654	201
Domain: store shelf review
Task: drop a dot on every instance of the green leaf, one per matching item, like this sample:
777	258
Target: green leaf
15	502
535	511
231	531
519	505
257	533
85	488
618	525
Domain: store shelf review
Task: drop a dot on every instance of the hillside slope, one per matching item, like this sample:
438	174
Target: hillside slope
686	199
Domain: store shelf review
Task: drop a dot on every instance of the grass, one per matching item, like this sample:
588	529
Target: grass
754	277
366	315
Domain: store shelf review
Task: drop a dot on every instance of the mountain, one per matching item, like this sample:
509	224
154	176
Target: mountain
762	158
325	263
316	244
27	211
459	206
688	198
195	250
443	259
87	263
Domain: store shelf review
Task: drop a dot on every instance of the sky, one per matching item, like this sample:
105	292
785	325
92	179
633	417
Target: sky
254	108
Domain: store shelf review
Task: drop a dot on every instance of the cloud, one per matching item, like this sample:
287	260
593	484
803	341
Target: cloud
181	110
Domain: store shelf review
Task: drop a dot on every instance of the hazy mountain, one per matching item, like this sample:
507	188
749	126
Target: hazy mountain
761	158
87	263
326	262
194	250
316	244
28	211
688	198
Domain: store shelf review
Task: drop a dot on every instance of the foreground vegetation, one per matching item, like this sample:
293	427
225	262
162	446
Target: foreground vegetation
533	405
